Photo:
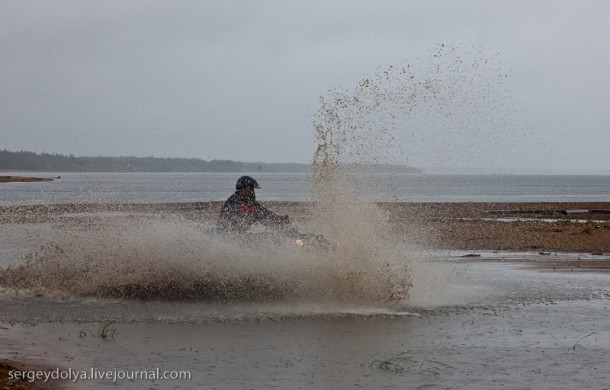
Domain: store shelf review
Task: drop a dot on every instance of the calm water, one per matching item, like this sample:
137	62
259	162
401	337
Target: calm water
191	187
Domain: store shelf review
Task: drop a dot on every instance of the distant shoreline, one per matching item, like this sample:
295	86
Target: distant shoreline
45	162
24	179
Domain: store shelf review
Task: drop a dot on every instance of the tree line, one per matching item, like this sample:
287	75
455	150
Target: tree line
45	162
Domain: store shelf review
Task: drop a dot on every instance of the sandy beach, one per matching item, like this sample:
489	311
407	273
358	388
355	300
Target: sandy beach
509	295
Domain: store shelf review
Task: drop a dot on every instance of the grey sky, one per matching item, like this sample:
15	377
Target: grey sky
241	79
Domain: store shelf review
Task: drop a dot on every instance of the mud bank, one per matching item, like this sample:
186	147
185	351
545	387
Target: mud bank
9	379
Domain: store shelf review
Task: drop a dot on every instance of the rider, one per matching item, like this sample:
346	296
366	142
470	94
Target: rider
242	210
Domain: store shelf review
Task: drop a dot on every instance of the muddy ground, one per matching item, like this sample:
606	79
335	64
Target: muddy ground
517	322
567	227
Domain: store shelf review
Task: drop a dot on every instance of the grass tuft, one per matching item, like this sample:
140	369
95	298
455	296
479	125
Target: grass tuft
402	362
394	363
581	339
107	330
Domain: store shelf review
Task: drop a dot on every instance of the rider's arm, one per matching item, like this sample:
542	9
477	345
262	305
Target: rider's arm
267	216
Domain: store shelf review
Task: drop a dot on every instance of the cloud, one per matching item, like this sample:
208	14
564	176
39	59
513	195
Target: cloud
242	80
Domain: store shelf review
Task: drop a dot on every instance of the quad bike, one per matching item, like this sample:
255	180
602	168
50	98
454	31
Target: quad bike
285	236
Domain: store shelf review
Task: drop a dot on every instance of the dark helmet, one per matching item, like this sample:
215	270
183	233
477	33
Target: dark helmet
246	182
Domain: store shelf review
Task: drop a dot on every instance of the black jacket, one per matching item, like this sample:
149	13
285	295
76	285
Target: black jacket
239	214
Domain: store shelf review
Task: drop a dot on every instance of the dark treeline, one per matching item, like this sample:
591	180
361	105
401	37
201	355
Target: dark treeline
44	162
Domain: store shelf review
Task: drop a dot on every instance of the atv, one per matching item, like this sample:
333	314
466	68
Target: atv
285	236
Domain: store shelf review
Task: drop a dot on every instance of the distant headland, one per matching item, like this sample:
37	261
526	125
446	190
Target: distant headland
23	179
44	162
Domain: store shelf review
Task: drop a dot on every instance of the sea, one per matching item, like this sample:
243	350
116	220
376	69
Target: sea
196	187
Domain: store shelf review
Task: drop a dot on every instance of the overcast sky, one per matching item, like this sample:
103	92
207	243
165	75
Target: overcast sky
241	80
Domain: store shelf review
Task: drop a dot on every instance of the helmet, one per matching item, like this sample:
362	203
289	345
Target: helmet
245	182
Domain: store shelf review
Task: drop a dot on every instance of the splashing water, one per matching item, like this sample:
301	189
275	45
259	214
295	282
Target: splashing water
374	124
173	259
448	110
452	106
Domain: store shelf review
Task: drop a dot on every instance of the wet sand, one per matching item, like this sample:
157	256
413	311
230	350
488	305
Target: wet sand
566	227
513	296
9	382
